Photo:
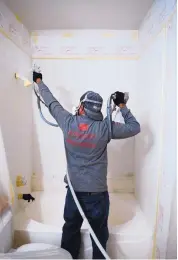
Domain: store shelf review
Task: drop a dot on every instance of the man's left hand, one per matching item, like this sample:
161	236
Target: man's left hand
118	99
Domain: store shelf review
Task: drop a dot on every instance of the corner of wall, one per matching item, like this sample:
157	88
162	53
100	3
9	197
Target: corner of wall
157	71
14	30
15	52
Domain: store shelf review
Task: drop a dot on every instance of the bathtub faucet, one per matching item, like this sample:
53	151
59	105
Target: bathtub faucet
28	197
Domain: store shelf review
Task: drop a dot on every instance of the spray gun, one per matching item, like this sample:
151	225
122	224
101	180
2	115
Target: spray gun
126	97
27	83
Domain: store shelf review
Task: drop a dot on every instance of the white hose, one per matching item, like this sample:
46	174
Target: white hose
85	219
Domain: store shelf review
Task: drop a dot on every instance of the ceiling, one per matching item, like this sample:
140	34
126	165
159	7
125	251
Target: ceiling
80	14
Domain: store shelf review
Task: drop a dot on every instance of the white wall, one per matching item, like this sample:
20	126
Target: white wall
15	103
172	238
148	143
155	147
70	74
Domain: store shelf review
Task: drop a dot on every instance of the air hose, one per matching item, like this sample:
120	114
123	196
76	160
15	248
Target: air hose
109	115
39	100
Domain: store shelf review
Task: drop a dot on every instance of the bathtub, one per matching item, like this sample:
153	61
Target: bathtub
42	221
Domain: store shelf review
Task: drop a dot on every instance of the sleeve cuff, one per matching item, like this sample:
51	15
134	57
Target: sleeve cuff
124	111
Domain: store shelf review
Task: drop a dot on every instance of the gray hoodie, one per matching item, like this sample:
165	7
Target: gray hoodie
86	143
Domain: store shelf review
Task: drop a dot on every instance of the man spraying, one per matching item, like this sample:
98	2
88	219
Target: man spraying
86	136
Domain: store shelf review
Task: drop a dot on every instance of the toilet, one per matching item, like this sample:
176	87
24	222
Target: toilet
37	250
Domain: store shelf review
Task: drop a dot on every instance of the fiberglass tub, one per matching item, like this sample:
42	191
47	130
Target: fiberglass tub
42	221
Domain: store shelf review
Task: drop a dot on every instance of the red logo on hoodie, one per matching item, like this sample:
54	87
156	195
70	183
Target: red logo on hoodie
83	127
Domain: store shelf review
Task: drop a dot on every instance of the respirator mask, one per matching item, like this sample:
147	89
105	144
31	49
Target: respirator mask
92	103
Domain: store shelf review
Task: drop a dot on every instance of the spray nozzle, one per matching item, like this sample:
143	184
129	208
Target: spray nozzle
36	68
126	97
113	96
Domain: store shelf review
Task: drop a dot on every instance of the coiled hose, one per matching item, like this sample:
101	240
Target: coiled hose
39	101
109	115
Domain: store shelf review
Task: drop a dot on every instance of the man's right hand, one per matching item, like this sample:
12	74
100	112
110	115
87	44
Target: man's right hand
37	77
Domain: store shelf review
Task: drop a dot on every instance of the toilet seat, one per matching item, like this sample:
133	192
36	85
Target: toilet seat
35	247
